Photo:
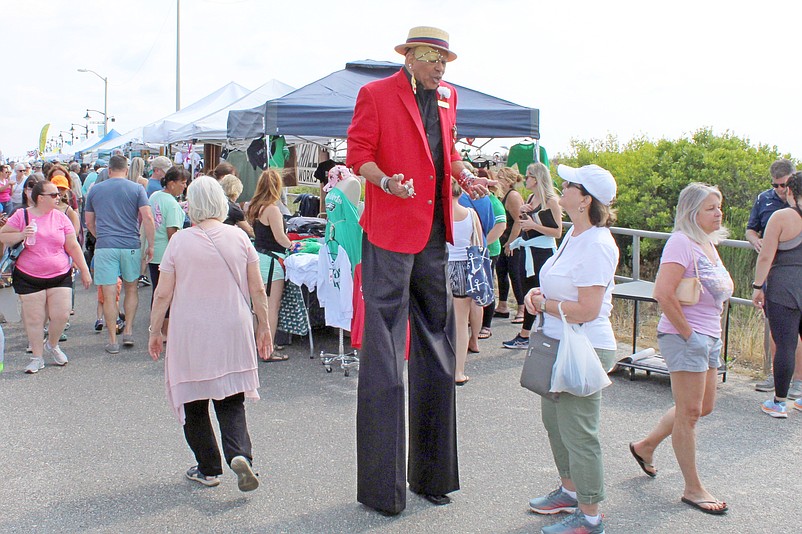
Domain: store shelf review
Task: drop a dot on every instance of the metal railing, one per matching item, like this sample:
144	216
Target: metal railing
734	243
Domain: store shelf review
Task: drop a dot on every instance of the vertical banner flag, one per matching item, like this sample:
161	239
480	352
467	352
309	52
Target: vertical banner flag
43	138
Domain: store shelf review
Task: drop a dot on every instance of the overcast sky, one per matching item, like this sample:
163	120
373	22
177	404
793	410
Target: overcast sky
660	69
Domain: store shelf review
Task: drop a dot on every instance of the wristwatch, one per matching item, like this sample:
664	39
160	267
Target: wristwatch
755	286
543	306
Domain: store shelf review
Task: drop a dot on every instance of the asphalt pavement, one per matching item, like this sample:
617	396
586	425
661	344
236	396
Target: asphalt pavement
93	447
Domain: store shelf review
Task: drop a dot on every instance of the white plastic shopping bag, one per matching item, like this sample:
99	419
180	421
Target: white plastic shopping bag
577	370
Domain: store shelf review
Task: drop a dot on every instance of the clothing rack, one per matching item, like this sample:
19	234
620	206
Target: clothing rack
347	360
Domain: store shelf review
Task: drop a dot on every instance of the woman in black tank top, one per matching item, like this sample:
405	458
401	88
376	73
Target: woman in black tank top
271	243
778	291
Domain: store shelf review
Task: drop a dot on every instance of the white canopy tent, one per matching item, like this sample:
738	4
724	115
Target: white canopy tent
86	143
212	127
159	131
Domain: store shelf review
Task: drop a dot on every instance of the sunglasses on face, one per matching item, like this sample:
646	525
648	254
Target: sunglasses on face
51	195
567	185
775	186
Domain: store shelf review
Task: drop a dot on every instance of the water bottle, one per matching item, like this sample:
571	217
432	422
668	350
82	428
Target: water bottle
32	238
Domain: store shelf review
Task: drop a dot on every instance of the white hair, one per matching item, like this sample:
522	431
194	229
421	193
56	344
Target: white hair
206	200
688	206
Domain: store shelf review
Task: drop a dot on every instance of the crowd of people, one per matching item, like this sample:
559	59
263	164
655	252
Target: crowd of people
423	207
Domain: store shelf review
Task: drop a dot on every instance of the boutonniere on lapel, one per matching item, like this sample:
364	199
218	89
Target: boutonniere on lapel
443	94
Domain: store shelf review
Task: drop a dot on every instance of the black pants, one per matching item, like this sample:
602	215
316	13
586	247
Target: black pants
539	257
233	427
398	288
487	311
510	269
786	327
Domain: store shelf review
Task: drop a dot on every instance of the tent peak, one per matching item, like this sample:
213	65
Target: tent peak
372	64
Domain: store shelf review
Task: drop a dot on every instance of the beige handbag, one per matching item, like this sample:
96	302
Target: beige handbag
689	289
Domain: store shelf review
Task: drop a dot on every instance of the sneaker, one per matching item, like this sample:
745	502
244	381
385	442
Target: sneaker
112	348
56	353
143	281
120	326
98	325
798	404
128	340
517	342
194	474
555	502
246	479
574	524
774	409
766	385
35	365
795	391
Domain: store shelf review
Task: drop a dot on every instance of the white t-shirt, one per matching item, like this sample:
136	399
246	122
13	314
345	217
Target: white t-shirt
586	260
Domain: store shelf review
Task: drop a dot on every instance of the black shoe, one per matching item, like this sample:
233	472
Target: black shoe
437	500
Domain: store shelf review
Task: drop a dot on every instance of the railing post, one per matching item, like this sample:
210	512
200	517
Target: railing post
636	257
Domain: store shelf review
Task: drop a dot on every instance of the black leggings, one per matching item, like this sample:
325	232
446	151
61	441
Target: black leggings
487	311
786	326
512	266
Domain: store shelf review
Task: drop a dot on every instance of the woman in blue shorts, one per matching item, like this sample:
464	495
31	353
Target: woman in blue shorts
689	335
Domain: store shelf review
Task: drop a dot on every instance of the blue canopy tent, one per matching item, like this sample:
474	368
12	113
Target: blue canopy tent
325	108
108	137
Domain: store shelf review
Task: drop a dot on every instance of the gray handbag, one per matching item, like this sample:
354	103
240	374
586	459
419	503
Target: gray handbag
539	362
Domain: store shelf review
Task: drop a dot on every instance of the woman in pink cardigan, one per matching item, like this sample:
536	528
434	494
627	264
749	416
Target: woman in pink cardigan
211	266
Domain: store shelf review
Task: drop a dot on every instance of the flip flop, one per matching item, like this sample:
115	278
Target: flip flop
503	315
485	333
277	358
711	511
473	351
518	320
462	382
642	463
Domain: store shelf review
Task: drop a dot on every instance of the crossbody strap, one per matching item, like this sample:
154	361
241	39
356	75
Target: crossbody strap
230	270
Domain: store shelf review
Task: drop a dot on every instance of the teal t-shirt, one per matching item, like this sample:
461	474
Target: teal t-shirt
342	227
167	213
499	215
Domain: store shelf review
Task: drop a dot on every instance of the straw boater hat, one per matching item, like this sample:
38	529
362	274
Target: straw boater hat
427	36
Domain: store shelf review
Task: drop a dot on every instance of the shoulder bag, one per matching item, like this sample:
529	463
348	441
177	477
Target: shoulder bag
479	283
690	289
11	254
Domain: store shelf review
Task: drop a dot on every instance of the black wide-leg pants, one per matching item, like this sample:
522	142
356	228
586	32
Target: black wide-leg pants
398	288
199	433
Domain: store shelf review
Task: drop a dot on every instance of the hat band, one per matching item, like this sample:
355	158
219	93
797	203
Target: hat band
428	40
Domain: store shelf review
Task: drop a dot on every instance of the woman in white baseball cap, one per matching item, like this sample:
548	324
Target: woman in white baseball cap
579	277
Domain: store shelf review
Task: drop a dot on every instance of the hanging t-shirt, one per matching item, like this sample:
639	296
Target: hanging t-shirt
523	154
335	288
704	316
342	227
167	213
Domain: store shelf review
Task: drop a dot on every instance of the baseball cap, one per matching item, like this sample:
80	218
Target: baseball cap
60	182
161	162
596	181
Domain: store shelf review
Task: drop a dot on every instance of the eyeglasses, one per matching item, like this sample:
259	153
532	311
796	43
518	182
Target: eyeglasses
775	186
51	195
29	185
566	185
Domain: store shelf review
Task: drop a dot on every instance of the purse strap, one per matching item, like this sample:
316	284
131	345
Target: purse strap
230	270
477	237
695	263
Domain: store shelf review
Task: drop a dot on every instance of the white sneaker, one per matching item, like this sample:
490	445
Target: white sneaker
56	353
795	391
35	365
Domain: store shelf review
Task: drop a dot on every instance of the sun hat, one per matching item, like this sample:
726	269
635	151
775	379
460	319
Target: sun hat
596	181
60	182
161	162
427	36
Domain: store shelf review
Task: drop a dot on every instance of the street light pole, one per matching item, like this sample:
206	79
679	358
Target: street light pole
105	99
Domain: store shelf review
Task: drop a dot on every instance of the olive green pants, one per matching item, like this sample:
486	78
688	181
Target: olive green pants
573	427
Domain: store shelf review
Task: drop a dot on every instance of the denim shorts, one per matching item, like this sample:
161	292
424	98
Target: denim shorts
696	355
111	263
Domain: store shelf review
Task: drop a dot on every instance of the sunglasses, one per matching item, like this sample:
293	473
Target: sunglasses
566	185
51	195
775	186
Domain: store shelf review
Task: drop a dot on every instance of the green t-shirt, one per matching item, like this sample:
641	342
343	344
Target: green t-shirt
523	155
167	213
499	216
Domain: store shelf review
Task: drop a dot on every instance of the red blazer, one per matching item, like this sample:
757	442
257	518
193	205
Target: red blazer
387	130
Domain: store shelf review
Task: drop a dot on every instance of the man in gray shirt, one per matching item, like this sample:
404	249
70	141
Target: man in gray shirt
113	209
